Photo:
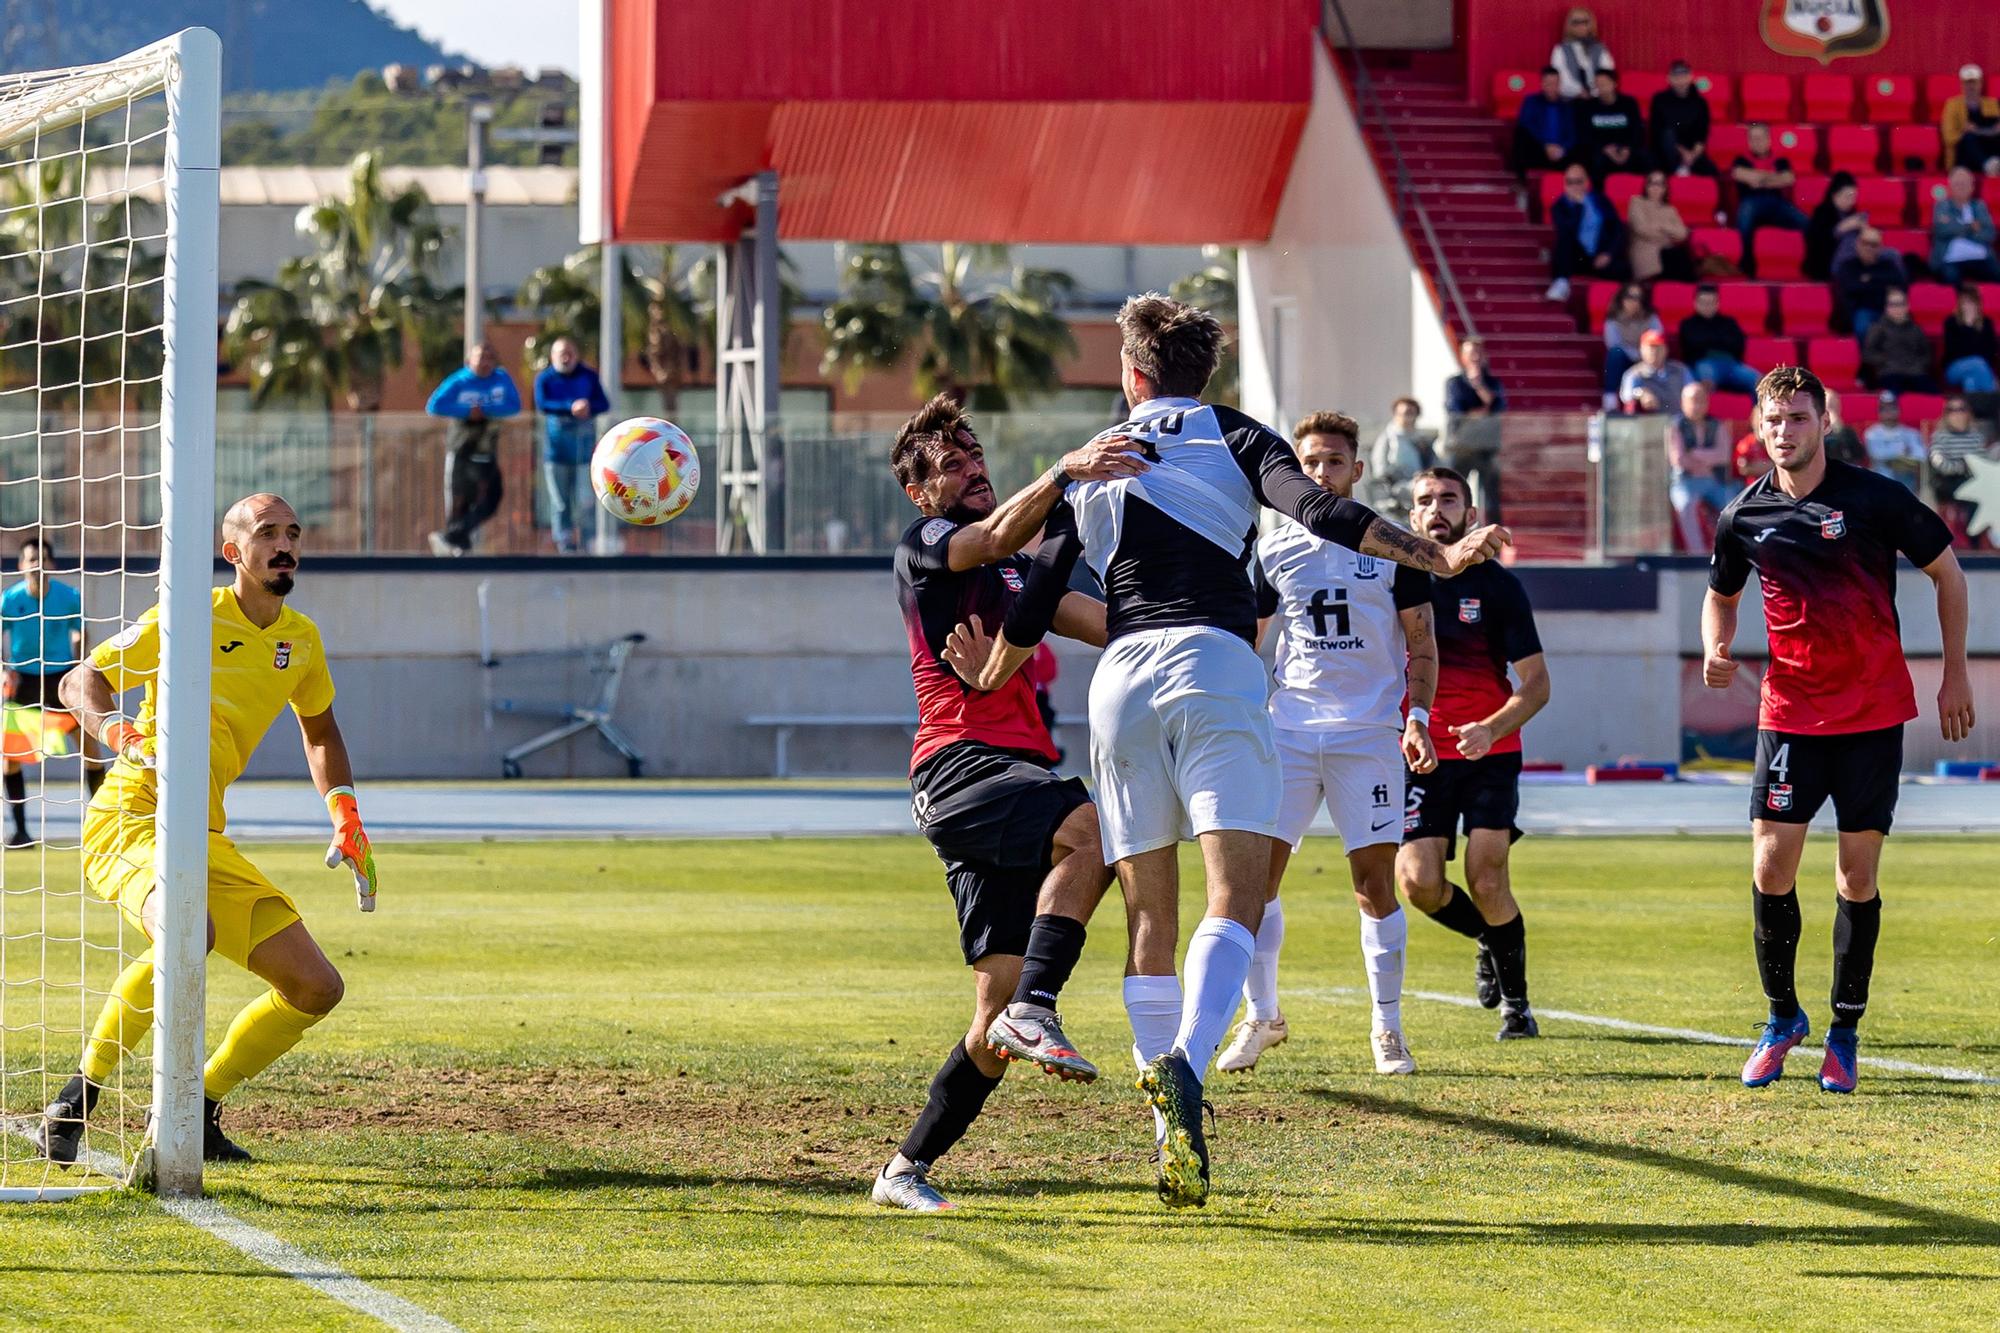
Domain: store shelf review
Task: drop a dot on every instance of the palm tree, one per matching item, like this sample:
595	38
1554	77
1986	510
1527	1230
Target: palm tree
1213	288
976	327
338	320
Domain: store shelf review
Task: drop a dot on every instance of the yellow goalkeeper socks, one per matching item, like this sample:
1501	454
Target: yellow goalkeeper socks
124	1021
265	1030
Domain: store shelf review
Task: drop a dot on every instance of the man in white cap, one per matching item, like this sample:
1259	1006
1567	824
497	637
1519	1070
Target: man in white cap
1970	125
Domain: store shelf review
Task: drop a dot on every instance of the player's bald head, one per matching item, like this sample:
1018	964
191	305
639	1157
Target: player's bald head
252	511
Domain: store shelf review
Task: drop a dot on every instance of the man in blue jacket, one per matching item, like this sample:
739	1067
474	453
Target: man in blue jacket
570	398
1545	128
472	399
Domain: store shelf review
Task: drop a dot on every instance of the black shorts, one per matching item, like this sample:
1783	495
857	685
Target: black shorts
992	816
1796	774
33	691
1474	793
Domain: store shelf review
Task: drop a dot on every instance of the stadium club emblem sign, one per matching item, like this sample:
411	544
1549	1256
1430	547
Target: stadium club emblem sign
1833	524
1468	610
1825	30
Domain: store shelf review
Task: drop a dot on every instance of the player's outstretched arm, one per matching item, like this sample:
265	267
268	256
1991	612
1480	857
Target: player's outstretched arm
1718	631
1391	542
1021	515
333	774
1955	694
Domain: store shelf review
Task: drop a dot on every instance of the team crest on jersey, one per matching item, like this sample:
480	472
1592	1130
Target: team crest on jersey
936	529
1367	567
1833	524
284	657
1468	610
1780	796
1012	578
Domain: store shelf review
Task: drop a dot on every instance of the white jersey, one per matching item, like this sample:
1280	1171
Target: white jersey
1342	656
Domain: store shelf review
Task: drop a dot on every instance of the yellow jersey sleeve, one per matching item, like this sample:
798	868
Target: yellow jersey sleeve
314	693
131	658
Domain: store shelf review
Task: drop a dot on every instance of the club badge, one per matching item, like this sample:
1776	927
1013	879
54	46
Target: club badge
1012	578
284	657
1833	525
1780	796
1468	610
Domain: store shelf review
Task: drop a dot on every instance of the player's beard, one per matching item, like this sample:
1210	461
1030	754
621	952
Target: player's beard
280	583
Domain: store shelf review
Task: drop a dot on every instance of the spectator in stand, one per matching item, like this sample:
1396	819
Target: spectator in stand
1655	384
1474	401
1400	452
1679	117
570	398
1833	221
1863	280
1763	191
1712	344
1545	129
1962	233
1589	238
1894	449
1841	443
1953	440
1610	130
473	398
1698	454
1658	245
1970	350
1629	319
1896	354
1969	124
1579	55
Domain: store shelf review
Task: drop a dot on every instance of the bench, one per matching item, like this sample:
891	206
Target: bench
784	724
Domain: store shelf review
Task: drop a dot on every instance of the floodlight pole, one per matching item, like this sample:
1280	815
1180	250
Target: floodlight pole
610	368
478	113
750	494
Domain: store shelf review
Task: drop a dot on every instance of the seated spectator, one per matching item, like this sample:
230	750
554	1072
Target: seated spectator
1749	459
1589	240
1863	280
1545	129
1654	385
1894	449
1658	244
1841	443
1970	350
1698	456
1400	452
1962	233
1969	124
1629	319
1834	220
1953	440
1896	354
1610	130
1474	402
1712	344
1579	55
1763	191
1679	117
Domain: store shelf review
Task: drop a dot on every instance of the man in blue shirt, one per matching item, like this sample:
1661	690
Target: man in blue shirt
570	398
472	398
1544	128
42	640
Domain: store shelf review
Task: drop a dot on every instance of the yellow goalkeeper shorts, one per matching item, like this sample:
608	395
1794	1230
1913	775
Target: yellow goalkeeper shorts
247	908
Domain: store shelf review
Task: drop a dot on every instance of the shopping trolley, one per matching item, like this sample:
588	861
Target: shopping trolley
606	666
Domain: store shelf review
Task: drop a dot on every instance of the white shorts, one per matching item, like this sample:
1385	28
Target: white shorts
1358	772
1180	742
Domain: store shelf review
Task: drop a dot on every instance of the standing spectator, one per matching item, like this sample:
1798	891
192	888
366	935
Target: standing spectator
1841	443
1400	452
1545	129
1763	191
43	640
472	398
1962	233
1970	351
1579	55
1863	279
1610	130
1655	384
1679	117
1698	455
1969	124
1712	344
1474	401
570	398
1834	219
1894	449
1589	238
1659	234
1896	354
1629	319
1953	440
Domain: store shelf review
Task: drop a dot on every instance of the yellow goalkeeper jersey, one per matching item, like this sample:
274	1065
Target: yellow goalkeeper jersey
257	672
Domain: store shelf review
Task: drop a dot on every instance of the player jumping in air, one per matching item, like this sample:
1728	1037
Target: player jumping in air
265	656
1019	844
1823	538
1348	624
1484	624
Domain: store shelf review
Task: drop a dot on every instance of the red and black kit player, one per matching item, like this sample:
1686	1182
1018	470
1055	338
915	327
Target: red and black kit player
1484	626
1823	537
1019	844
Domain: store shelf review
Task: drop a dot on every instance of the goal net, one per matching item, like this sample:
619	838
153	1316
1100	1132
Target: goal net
108	219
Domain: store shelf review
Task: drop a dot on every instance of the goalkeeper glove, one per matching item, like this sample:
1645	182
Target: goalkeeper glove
350	844
132	745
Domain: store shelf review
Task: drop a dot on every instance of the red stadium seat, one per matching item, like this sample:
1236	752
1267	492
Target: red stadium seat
1907	241
1855	148
1829	98
1804	309
1939	89
1931	303
1989	296
1619	190
1510	88
1780	254
1885	199
1724	241
1641	86
1748	303
1860	409
1929	190
1726	142
1673	302
1549	187
1808	189
1731	406
1920	409
1766	97
1915	148
1761	354
1797	143
1720	90
1890	99
1597	299
1697	198
1836	360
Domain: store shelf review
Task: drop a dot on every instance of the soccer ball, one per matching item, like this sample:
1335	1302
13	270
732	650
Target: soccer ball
645	471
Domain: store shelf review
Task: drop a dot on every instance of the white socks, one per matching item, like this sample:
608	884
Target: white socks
1154	1006
1217	964
1260	989
1382	953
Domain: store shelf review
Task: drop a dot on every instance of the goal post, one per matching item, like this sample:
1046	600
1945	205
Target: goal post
109	219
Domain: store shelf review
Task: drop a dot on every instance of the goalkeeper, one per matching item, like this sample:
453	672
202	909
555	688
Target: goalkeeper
265	655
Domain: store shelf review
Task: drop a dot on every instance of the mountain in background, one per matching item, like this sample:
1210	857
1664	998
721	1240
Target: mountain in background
268	45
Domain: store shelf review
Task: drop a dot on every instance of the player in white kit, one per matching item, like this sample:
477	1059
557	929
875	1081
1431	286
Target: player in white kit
1348	623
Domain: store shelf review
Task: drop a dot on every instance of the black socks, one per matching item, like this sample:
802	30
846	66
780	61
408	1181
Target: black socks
1777	937
1054	945
1509	943
957	1093
1855	928
17	801
1460	914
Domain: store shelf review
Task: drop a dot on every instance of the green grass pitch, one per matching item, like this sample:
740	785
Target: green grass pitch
642	1085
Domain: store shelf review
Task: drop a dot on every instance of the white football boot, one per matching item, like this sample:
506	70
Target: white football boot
1253	1037
1392	1056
